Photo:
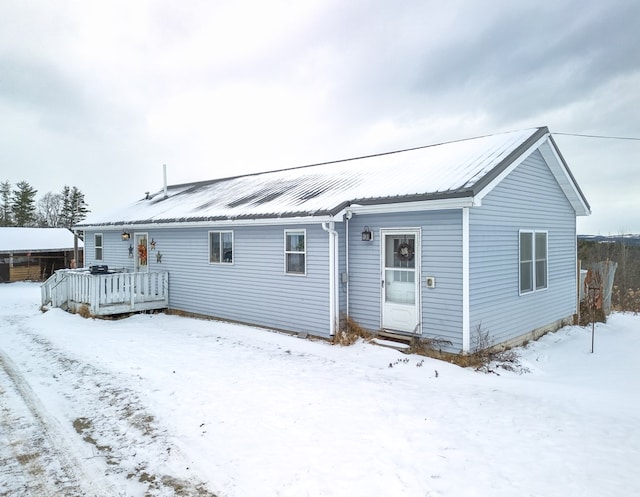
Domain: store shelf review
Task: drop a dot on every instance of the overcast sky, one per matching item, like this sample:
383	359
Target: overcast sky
100	95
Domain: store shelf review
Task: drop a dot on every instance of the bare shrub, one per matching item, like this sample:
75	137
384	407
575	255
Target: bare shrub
626	300
430	347
350	332
84	311
488	357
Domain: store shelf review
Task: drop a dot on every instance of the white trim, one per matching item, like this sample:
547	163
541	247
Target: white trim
333	276
296	230
555	163
521	158
420	205
136	261
279	221
466	313
233	248
417	232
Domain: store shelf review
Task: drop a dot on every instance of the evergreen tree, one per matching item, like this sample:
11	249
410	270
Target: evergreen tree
5	204
23	204
74	208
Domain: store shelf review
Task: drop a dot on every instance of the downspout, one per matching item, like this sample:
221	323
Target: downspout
347	216
466	329
329	227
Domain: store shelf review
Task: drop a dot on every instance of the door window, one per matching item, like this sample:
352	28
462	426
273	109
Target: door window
400	264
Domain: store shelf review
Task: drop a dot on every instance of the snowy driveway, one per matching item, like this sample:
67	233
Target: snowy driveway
168	406
68	428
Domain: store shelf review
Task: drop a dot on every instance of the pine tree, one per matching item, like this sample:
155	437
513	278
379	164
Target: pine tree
23	204
5	204
74	208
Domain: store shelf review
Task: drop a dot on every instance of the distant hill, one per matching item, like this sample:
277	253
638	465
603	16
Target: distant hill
632	240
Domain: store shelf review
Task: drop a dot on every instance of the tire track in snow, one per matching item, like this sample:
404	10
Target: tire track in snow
112	419
41	462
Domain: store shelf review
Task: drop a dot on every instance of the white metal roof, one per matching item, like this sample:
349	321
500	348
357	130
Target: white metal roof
449	170
35	239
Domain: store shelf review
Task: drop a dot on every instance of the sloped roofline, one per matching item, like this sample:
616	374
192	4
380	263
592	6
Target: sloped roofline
451	197
541	131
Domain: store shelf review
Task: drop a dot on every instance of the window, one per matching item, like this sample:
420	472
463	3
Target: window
533	261
221	247
97	245
295	251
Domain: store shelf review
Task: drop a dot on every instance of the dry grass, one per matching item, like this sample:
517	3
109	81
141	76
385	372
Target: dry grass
488	357
350	332
84	311
626	300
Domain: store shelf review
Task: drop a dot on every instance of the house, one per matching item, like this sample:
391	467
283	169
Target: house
435	242
35	253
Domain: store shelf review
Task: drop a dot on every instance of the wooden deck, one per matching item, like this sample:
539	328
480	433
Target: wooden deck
106	294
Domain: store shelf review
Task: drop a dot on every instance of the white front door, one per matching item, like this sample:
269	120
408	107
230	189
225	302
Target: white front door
141	252
400	279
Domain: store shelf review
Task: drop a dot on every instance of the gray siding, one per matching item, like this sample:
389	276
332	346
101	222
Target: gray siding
528	198
254	289
115	252
441	257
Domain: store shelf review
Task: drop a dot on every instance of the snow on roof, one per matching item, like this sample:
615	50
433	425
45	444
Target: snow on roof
36	239
448	170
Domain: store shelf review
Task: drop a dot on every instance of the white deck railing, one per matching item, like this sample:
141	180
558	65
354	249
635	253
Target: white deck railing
105	294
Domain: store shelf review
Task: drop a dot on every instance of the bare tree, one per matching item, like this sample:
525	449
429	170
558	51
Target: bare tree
48	210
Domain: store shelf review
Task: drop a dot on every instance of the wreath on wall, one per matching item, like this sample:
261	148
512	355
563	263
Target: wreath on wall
405	252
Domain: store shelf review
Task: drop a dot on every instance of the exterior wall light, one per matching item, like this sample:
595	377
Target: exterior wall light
367	236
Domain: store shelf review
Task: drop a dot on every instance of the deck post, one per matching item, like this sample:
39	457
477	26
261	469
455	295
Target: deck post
94	295
132	290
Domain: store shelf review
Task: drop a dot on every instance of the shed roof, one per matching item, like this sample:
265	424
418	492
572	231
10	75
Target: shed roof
35	240
459	169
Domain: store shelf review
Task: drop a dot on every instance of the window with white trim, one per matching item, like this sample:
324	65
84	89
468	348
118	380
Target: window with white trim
97	246
533	261
295	251
221	247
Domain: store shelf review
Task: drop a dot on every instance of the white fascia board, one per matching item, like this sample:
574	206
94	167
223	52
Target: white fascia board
496	181
421	205
564	179
277	221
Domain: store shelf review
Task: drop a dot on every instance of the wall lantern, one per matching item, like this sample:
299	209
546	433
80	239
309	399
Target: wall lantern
367	236
125	236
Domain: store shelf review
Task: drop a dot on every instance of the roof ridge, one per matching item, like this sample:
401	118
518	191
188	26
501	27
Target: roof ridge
360	157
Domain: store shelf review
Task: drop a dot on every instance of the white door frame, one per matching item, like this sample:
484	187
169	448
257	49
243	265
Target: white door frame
410	314
138	268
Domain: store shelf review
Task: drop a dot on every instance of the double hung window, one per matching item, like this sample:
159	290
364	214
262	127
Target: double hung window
97	246
295	251
533	261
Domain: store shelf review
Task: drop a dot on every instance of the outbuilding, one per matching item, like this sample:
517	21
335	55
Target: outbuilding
35	253
443	242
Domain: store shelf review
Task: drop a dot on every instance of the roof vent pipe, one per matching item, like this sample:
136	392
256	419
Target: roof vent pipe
164	174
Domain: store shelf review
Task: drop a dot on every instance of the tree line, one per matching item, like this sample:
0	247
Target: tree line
19	207
625	251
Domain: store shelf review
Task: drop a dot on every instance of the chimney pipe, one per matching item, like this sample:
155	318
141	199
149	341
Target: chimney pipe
164	173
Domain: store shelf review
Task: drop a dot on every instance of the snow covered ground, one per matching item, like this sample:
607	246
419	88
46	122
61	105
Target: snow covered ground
162	405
